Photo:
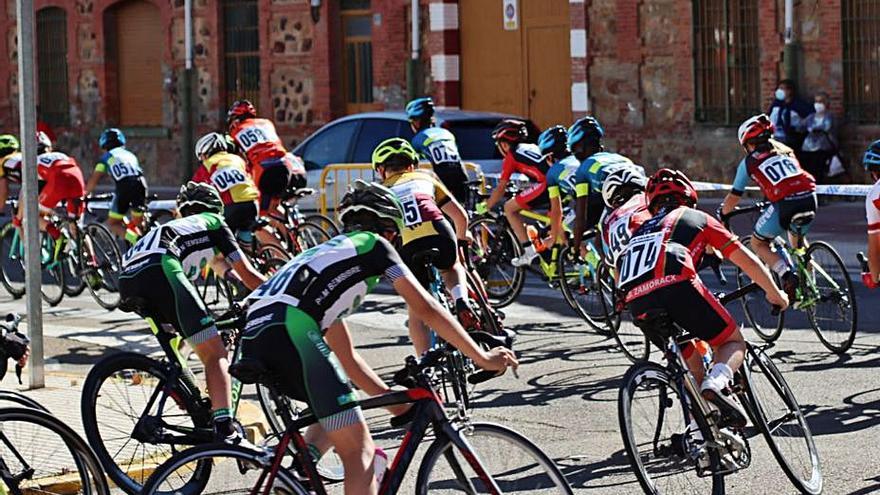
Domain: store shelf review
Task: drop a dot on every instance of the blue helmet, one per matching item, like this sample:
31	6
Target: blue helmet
420	108
587	128
871	161
111	138
553	140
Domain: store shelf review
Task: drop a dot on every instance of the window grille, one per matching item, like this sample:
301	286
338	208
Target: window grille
52	65
241	44
861	60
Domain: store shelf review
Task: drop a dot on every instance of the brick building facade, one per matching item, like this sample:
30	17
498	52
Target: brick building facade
632	63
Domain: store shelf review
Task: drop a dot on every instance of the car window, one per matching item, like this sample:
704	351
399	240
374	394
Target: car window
373	132
330	145
474	138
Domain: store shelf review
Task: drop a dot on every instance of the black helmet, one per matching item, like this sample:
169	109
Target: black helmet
510	131
198	197
370	206
587	129
553	140
111	138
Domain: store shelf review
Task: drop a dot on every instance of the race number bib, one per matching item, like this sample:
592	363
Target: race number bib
779	168
122	170
411	214
640	257
147	245
252	136
618	235
443	152
226	179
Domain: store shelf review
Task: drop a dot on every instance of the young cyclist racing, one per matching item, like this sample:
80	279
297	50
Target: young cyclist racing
627	208
296	317
790	190
131	187
10	167
871	162
156	280
437	145
424	201
657	271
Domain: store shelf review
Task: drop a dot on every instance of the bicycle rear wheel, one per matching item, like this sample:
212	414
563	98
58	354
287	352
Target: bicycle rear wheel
20	400
74	284
758	311
831	303
40	454
309	235
100	258
493	247
580	288
515	463
324	222
781	421
52	287
12	256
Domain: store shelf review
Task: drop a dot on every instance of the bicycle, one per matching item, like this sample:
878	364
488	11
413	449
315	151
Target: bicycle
296	217
670	457
825	292
452	462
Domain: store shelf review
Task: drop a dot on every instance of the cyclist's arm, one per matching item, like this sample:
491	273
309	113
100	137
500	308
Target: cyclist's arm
739	188
555	214
458	216
248	274
580	218
872	207
95	178
757	271
497	193
225	241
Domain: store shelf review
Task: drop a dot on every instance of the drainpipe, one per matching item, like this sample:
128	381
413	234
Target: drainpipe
186	96
790	50
413	67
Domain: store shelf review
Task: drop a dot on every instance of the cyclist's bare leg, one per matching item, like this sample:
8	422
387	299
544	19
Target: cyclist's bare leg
453	278
116	225
695	364
797	241
731	352
214	356
418	334
511	211
355	447
762	249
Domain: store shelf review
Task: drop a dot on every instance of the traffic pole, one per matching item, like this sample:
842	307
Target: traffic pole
187	96
27	110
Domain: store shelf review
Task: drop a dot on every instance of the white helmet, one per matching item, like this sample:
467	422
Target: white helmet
210	144
757	127
630	175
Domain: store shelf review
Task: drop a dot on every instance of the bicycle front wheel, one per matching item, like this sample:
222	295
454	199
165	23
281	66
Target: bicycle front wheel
779	417
830	302
514	463
580	288
40	454
74	284
493	247
12	256
758	311
235	470
309	235
101	262
52	287
20	400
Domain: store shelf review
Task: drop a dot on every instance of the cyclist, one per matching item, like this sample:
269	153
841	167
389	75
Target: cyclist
131	187
10	166
424	201
585	138
871	162
298	313
790	190
657	271
627	208
156	282
438	146
525	158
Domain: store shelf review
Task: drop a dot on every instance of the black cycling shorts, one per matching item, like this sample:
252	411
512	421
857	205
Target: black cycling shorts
455	178
595	207
273	182
240	216
445	242
131	194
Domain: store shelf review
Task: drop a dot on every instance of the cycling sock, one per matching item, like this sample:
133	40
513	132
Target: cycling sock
131	236
721	369
315	452
780	267
526	244
222	419
53	231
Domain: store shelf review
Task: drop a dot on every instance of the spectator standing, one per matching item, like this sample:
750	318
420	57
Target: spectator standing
821	144
789	112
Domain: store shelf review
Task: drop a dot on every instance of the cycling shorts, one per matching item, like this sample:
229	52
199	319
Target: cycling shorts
444	241
692	306
64	187
455	178
240	216
595	207
289	343
273	180
535	197
776	220
170	297
131	194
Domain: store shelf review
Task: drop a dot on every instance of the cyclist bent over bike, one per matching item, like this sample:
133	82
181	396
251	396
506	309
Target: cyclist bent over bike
10	167
871	161
627	208
437	145
657	271
560	181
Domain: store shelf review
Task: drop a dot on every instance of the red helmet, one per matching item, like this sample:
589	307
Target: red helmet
757	127
510	131
241	109
668	182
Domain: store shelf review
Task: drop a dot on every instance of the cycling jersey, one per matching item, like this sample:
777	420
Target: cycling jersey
258	139
776	171
437	145
619	224
528	160
592	172
64	181
120	163
560	177
422	197
872	209
228	173
10	167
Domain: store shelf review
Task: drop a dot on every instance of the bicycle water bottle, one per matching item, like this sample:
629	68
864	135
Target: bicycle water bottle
535	237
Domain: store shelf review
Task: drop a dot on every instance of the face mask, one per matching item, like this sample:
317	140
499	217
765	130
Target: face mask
820	107
780	94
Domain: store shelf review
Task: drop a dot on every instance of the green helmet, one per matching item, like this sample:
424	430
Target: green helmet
394	148
198	197
8	144
380	203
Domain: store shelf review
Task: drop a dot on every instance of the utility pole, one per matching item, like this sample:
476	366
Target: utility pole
27	110
186	97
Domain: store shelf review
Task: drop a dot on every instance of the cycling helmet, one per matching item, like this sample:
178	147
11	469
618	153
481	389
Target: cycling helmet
211	144
111	138
370	206
585	129
43	142
420	108
755	129
620	180
394	152
667	182
510	131
198	197
8	144
239	110
871	161
553	140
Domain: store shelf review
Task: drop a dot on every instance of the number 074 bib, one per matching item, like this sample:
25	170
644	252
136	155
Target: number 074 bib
640	257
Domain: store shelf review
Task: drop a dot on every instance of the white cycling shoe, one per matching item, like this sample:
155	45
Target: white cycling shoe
716	389
526	259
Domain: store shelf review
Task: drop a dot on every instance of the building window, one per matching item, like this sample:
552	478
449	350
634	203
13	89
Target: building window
861	60
52	65
241	48
357	54
726	58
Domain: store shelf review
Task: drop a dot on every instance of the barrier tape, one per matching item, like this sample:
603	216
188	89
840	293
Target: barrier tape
824	189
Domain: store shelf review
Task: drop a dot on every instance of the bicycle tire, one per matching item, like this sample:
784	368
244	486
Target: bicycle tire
325	222
74	285
20	400
212	454
309	235
844	282
584	297
757	310
12	269
652	373
90	482
488	317
130	478
107	263
760	362
533	481
52	273
457	375
495	245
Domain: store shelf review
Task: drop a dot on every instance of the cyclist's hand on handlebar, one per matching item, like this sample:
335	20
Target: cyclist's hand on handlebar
779	299
498	359
482	208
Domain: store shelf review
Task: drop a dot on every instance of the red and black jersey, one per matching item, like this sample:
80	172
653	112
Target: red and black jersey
778	173
527	160
619	225
259	140
668	247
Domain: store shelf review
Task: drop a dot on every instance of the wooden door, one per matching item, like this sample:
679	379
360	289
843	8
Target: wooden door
139	62
549	75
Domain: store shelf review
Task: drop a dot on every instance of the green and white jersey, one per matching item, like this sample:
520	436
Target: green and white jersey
330	281
193	240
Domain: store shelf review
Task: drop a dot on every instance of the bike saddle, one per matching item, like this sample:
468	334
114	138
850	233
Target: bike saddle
293	193
248	371
803	218
424	258
258	224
